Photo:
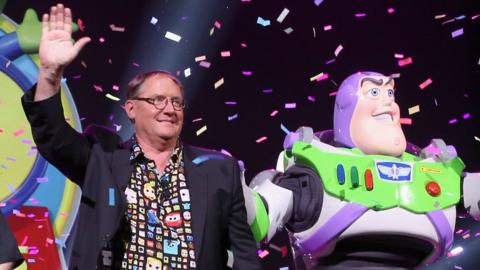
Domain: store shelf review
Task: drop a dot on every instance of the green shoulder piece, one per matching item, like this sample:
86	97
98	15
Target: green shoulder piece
382	182
261	223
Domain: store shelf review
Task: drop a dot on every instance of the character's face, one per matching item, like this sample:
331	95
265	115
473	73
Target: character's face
154	264
131	195
107	257
173	219
375	124
185	195
148	191
151	122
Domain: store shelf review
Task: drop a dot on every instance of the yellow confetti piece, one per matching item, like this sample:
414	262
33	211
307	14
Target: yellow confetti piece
314	78
413	109
476	138
112	97
201	130
212	30
219	83
200	58
23	249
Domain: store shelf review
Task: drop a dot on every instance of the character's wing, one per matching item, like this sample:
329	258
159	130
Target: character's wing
386	170
404	171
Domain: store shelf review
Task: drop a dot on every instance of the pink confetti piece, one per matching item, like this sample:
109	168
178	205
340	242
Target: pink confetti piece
243	45
327	27
360	15
263	253
49	241
115	87
205	64
311	98
453	121
24	240
225	54
475	17
466	116
19	132
398	55
332	94
425	83
31	215
76	77
390	10
267	91
457	33
230	103
406	121
217	25
321	78
135	64
337	51
98	88
46	214
259	140
247	73
275	112
404	62
440	16
102	40
292	105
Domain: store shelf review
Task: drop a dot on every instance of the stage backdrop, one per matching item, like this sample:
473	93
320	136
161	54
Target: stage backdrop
253	71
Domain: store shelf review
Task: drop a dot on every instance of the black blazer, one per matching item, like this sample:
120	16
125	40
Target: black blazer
8	245
99	163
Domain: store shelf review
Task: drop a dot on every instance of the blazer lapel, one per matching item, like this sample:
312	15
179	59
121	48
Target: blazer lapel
198	187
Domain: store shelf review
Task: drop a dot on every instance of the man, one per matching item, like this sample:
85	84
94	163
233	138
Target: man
9	254
152	202
360	196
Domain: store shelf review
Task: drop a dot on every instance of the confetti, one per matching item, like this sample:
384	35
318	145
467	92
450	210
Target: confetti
173	36
267	91
314	78
275	112
153	20
27	141
457	33
115	87
425	83
327	27
112	97
263	253
201	130
117	28
323	77
42	179
200	58
205	64
187	72
360	15
259	140
102	40
338	50
311	98
290	105
98	88
390	10
233	117
19	132
317	2
282	15
217	25
453	121
247	73
404	62
263	22
441	16
225	54
406	121
455	252
414	109
284	129
230	103
218	83
288	30
466	116
398	55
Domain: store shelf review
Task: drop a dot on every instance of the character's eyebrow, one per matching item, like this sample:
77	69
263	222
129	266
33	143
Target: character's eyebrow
378	82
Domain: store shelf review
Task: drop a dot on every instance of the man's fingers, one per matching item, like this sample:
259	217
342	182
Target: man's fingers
67	26
44	23
53	18
59	24
81	43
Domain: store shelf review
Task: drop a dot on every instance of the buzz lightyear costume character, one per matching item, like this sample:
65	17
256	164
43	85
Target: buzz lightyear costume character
360	196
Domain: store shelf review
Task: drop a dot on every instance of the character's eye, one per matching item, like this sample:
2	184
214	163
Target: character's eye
374	92
391	93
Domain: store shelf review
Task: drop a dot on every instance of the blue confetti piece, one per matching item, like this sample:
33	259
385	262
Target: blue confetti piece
111	197
263	22
284	129
203	158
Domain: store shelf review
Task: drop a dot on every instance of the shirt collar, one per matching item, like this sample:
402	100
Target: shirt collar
137	152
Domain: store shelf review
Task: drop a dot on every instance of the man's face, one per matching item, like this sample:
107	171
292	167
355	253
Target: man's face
375	124
149	121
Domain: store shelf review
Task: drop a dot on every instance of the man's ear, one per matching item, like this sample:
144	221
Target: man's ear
129	109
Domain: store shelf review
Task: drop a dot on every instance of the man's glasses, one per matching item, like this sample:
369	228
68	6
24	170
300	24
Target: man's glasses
160	102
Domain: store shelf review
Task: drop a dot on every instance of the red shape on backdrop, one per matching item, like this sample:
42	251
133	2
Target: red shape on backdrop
32	228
